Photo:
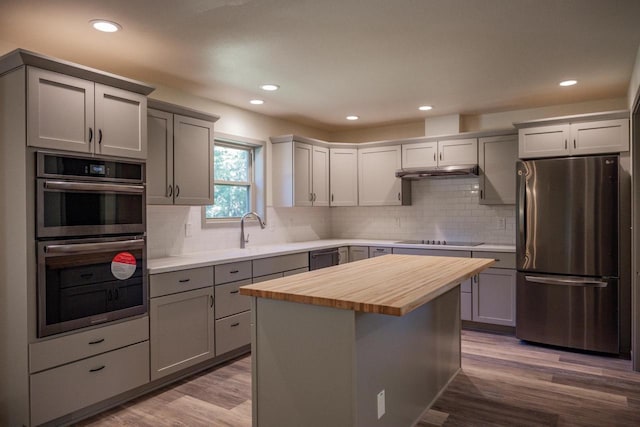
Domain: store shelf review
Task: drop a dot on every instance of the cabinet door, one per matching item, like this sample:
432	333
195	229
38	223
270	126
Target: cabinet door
377	182
320	176
606	136
423	154
302	175
59	111
543	141
160	158
192	161
182	331
121	122
494	297
343	176
456	152
497	158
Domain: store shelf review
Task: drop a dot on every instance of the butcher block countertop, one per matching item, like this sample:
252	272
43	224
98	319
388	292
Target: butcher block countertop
390	284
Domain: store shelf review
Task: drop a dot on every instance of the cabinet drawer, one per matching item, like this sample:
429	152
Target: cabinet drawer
55	352
68	388
375	251
503	259
267	277
432	252
233	332
232	272
277	264
179	281
296	271
229	301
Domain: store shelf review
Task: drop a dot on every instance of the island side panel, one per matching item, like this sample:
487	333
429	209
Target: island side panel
412	358
303	367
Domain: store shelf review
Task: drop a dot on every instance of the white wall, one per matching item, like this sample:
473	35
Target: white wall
442	209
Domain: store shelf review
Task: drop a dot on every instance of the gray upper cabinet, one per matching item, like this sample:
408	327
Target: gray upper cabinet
497	158
576	135
180	164
343	176
455	152
450	152
300	171
377	182
95	119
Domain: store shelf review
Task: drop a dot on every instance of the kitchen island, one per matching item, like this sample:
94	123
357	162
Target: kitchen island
370	343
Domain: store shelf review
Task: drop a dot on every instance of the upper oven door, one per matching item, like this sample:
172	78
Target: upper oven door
68	208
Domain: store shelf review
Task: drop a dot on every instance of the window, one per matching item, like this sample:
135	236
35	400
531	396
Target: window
238	178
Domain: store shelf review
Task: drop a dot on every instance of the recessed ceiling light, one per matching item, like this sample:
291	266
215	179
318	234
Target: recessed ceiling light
270	87
257	101
425	108
568	82
105	26
352	117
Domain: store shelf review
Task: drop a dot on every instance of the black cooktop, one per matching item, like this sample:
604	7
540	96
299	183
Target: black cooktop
440	242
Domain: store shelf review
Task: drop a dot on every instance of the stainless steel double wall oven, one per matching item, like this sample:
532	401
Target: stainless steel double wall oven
90	230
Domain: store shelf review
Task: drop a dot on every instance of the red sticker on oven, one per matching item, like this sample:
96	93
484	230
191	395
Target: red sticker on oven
123	265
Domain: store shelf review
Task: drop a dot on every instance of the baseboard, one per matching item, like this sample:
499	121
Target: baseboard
488	327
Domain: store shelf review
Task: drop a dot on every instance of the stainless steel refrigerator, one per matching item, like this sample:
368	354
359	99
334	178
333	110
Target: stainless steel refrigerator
567	252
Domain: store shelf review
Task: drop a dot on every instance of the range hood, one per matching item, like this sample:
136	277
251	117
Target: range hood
438	172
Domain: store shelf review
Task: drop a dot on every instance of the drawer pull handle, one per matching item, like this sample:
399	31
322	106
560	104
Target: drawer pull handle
234	272
97	369
234	292
184	280
497	259
96	341
86	275
233	325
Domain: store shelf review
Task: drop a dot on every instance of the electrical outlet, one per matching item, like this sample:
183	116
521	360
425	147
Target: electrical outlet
188	232
381	408
501	223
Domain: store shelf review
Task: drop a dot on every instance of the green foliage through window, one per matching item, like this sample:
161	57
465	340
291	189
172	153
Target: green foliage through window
232	182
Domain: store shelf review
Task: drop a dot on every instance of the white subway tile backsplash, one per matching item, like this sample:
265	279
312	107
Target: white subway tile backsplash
442	209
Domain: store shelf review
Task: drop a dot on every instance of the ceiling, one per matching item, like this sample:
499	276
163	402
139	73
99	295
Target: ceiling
378	59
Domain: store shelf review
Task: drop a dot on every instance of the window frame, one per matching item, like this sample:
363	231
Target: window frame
257	177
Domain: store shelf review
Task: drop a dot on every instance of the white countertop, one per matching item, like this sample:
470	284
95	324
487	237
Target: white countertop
221	256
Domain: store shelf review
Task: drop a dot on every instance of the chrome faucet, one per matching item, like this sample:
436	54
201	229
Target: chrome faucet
262	225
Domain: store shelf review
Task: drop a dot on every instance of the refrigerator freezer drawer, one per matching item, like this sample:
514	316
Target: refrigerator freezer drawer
573	312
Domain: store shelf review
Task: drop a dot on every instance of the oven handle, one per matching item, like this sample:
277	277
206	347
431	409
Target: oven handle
84	247
86	186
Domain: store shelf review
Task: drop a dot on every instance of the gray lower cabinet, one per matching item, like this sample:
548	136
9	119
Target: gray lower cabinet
494	290
182	330
494	297
357	253
466	298
68	388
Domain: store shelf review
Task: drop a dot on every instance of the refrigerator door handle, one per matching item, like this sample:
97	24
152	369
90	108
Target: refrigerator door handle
522	208
567	282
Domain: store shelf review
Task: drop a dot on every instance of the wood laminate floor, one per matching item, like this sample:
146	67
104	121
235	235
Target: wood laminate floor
504	382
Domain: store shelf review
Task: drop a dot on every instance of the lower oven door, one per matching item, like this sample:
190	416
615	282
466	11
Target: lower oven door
90	281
